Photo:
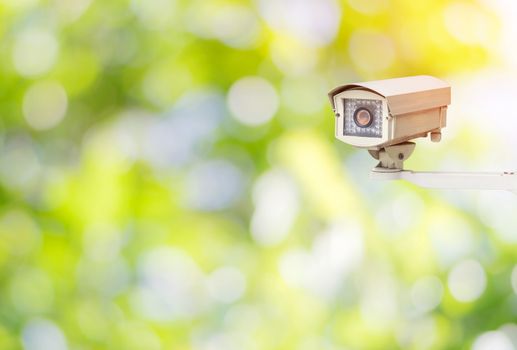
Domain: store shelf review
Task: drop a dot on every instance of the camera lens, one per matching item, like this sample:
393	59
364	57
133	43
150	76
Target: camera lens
363	118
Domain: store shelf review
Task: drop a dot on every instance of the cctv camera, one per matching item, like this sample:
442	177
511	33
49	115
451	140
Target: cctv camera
382	116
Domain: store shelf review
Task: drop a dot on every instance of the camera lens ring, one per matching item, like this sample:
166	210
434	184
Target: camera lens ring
360	113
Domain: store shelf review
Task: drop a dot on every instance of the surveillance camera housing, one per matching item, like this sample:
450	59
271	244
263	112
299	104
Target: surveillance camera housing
378	114
382	116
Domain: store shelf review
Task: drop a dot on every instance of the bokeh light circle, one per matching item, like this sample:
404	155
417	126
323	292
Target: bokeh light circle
214	185
154	14
253	101
45	105
493	340
313	22
35	52
276	206
40	334
235	25
467	280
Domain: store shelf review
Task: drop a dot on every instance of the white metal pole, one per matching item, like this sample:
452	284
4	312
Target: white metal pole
455	181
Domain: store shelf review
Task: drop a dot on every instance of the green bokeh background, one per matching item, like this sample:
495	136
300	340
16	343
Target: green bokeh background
169	178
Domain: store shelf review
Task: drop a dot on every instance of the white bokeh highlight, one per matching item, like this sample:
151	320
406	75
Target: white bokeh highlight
334	255
276	200
154	14
72	10
35	52
171	285
187	129
40	334
20	166
477	97
510	330
312	22
493	340
214	185
505	10
452	240
467	280
499	217
45	105
378	303
252	101
234	25
401	214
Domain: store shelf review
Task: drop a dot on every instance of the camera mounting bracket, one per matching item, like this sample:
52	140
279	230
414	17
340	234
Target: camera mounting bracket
392	157
392	160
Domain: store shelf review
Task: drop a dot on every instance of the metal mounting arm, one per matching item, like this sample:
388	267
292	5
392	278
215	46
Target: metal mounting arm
391	168
506	181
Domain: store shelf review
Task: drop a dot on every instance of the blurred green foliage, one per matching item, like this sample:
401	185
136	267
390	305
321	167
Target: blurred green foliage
169	180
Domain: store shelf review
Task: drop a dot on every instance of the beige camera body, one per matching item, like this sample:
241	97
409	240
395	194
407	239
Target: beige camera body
400	110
